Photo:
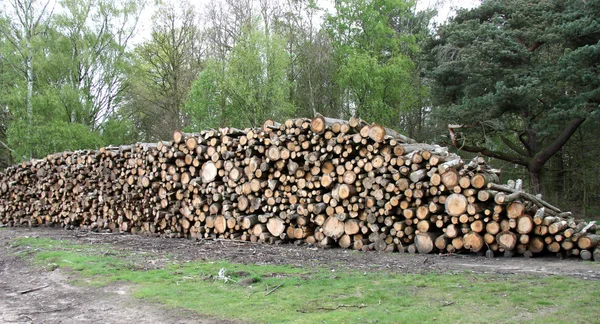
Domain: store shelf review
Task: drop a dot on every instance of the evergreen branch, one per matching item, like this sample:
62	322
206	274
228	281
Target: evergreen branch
513	146
524	141
490	153
7	147
560	141
494	154
535	46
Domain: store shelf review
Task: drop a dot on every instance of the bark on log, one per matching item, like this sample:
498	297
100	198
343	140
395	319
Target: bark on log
588	241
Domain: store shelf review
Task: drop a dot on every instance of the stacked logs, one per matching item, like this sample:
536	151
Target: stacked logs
322	181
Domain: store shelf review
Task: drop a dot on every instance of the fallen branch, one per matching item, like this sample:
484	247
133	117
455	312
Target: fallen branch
6	146
522	194
252	293
23	292
272	290
342	305
588	226
233	241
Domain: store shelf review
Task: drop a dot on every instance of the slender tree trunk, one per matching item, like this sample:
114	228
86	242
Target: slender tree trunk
29	90
311	93
29	104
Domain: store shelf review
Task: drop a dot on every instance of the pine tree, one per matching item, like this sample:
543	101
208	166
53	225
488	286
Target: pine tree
520	77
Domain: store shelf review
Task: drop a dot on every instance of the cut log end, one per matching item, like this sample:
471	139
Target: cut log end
209	172
456	204
425	242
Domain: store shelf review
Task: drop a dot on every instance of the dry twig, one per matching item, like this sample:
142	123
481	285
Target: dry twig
272	290
23	292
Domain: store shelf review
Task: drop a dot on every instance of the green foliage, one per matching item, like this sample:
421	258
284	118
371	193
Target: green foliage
256	79
310	295
90	58
512	58
65	72
204	103
50	129
119	130
373	53
522	73
315	87
277	64
246	88
163	70
51	136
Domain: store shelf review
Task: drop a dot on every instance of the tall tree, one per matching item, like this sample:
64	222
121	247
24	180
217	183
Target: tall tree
522	75
312	67
248	86
316	90
166	66
27	22
71	64
257	80
416	119
373	57
6	74
90	56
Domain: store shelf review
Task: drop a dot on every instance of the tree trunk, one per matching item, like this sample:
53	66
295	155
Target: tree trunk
29	100
535	176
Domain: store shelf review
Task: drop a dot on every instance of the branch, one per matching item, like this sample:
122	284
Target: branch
560	141
23	292
6	146
512	146
530	197
524	141
342	305
495	154
272	290
535	46
587	227
37	22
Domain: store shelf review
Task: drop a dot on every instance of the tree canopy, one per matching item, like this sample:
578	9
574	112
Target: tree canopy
519	77
62	72
245	89
374	57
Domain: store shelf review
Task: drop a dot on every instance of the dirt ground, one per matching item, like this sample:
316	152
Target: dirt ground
61	302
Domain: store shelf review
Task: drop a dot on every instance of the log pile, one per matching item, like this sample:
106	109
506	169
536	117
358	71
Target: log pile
323	181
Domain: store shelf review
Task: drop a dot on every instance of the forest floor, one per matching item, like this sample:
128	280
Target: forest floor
60	300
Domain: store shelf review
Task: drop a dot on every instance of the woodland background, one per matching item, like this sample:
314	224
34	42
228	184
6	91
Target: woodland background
520	77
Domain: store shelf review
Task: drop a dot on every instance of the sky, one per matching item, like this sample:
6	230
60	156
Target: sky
446	9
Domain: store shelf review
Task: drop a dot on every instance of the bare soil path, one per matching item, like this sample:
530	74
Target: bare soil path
59	301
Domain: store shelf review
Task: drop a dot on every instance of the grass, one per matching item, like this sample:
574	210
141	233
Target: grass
309	295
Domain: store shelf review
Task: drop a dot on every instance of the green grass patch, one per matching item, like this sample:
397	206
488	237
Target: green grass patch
310	295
